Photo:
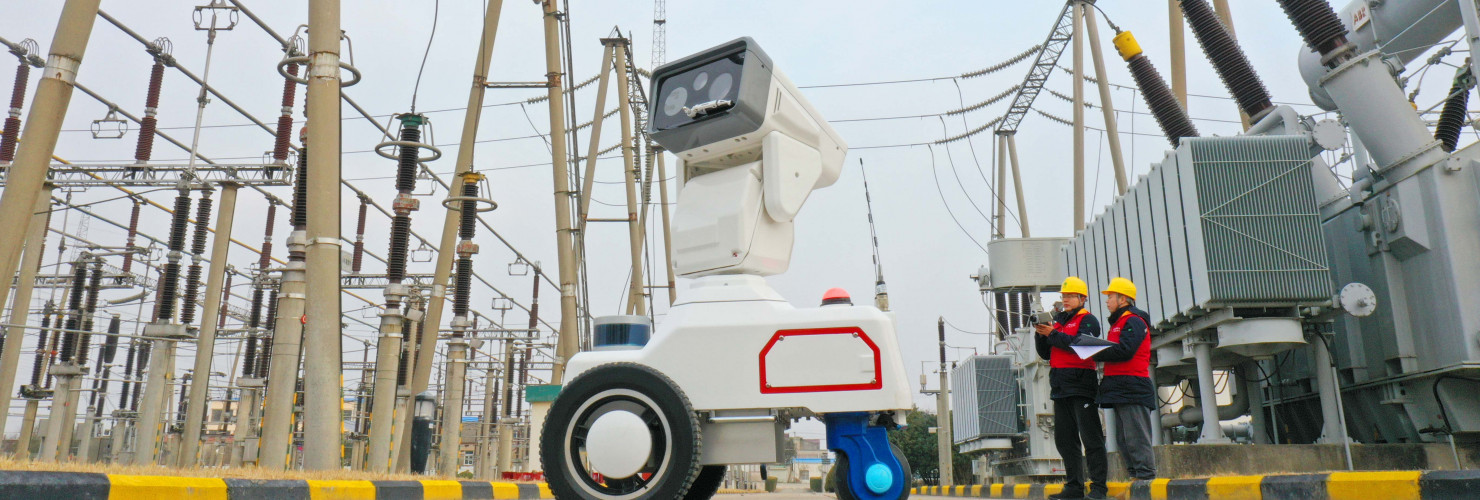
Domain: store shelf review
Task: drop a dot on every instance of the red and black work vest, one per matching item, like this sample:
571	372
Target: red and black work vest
1063	358
1140	364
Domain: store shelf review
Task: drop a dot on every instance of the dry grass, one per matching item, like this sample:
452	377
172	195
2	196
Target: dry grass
7	463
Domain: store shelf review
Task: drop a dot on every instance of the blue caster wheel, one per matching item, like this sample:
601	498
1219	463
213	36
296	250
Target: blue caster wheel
877	479
869	466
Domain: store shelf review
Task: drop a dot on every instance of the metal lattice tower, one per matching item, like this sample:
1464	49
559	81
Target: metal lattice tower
660	33
1043	65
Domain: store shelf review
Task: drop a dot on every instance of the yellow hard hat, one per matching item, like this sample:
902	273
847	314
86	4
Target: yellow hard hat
1121	286
1073	284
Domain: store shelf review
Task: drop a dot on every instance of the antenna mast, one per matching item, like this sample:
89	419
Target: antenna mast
881	292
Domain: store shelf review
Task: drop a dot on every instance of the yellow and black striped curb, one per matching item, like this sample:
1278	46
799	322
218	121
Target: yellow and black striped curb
1398	485
40	485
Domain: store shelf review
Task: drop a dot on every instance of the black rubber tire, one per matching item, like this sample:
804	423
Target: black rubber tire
708	483
844	490
674	471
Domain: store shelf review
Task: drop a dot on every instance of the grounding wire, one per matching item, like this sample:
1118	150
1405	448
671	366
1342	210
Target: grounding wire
436	13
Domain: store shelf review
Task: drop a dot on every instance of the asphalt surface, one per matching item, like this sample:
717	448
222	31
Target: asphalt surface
786	495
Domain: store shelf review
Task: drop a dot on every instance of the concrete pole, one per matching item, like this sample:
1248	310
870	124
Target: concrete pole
422	370
1017	185
387	358
1207	395
489	422
588	182
26	176
28	427
1000	189
506	424
85	443
323	376
195	408
636	292
943	415
1177	41
245	435
402	454
57	443
1332	430
568	341
151	406
1258	422
1112	129
452	406
667	232
282	378
1078	115
20	307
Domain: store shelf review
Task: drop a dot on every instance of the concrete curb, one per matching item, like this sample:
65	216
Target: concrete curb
43	485
1394	485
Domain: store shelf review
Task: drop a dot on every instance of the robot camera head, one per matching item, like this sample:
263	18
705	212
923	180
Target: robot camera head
715	110
753	149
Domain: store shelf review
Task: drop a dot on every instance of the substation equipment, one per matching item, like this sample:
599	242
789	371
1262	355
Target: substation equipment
1342	310
657	412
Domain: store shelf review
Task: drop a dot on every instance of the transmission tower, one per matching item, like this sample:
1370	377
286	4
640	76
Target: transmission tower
660	33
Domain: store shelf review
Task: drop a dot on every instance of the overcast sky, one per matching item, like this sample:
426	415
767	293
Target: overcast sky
929	203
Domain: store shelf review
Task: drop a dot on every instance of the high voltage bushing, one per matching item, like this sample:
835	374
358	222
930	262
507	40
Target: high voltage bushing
197	249
90	307
408	157
40	361
358	257
1164	107
12	130
144	149
300	191
74	311
133	233
285	121
265	257
467	204
105	367
1228	59
264	356
165	310
1320	27
139	364
128	372
1452	118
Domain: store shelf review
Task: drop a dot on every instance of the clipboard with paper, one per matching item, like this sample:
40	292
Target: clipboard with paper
1086	346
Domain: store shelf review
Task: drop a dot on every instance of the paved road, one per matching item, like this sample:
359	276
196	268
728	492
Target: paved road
780	496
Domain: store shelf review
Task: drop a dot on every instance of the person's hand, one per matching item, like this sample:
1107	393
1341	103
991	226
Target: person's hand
1043	330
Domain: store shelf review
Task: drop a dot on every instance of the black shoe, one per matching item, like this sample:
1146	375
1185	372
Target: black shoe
1067	495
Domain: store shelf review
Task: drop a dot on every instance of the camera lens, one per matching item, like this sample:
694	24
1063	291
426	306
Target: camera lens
701	80
675	101
721	86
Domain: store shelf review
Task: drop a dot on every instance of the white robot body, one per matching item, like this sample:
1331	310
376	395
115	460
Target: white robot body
732	344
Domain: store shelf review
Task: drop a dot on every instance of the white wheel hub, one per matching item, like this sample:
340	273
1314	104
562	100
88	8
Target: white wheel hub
618	444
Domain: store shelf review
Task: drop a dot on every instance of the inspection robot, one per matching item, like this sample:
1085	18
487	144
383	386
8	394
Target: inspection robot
660	413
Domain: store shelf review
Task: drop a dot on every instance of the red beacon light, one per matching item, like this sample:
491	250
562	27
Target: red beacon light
835	296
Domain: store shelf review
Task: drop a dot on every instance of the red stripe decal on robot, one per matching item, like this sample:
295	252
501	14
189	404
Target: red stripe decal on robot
768	384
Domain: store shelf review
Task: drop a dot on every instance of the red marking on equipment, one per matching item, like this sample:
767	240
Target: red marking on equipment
878	382
303	319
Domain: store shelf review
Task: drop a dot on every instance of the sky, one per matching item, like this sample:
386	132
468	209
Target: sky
930	203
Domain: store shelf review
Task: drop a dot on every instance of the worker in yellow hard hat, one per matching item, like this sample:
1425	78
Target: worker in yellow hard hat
1126	387
1073	385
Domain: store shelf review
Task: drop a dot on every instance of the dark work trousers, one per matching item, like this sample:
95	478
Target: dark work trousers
1076	423
1133	435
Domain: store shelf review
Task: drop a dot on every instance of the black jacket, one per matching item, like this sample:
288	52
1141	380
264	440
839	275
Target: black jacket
1126	389
1069	382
